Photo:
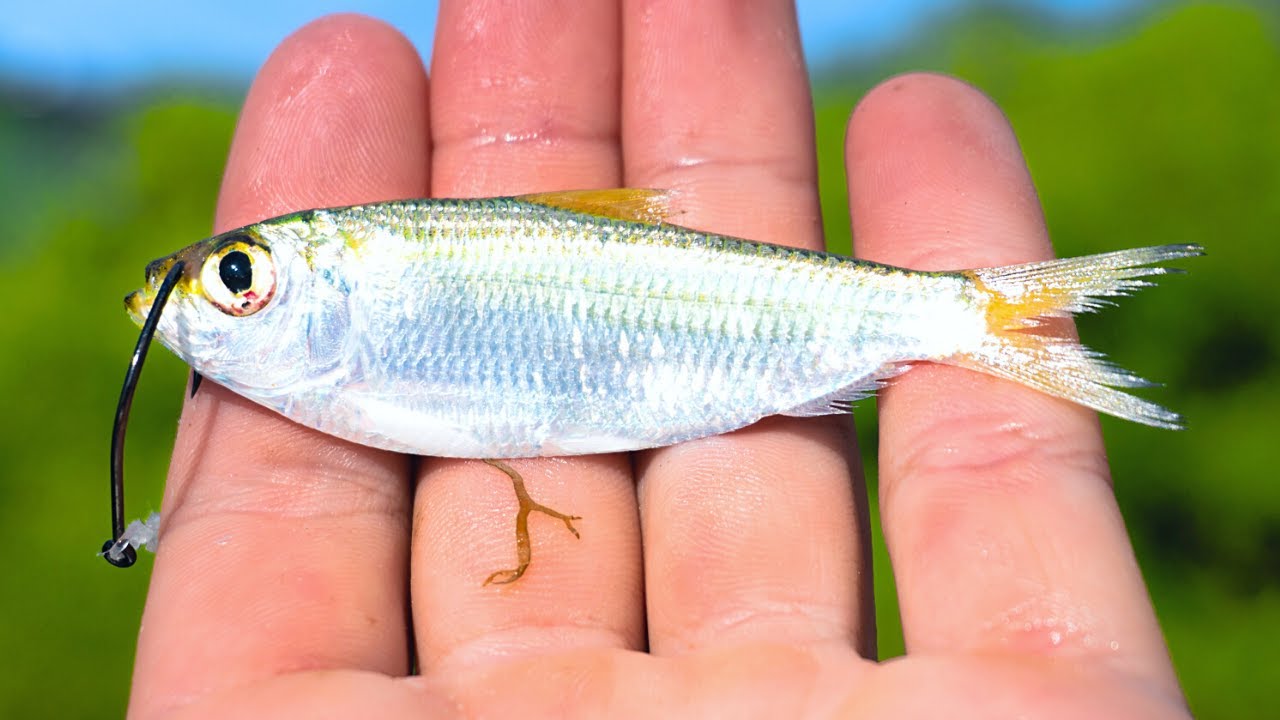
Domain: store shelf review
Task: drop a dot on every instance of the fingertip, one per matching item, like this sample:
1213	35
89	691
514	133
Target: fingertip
917	97
337	115
937	179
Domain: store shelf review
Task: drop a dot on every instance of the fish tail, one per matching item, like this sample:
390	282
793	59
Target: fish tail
1019	298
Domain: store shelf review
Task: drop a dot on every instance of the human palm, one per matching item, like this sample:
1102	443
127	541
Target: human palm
305	576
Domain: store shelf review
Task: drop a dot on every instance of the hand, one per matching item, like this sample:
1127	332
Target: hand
302	576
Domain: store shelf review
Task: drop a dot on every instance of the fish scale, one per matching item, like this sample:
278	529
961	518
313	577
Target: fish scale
603	379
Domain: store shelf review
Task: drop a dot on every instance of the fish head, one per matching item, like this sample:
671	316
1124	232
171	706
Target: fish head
241	311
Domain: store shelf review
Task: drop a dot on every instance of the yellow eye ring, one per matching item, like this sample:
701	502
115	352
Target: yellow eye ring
239	277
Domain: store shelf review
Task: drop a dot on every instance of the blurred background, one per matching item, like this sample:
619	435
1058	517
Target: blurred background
1143	123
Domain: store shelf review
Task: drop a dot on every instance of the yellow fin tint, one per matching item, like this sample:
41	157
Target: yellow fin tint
1028	308
1017	298
642	205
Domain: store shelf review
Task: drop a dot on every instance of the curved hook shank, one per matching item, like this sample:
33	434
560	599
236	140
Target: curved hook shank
119	550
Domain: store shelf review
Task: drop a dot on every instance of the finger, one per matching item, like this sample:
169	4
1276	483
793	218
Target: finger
525	100
759	534
284	549
997	507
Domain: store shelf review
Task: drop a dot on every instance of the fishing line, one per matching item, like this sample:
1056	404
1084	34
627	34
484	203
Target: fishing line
119	551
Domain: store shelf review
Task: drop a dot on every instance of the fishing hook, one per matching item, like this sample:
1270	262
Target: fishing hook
119	550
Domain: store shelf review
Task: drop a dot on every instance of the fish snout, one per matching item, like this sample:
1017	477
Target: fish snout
138	304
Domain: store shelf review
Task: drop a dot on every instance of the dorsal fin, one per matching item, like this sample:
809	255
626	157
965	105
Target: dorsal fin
642	205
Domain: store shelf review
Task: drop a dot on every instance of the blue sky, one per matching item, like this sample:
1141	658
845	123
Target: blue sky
92	44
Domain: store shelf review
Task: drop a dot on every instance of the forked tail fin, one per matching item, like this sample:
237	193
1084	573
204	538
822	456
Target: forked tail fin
1020	297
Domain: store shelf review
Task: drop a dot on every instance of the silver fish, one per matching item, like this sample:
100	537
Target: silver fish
580	322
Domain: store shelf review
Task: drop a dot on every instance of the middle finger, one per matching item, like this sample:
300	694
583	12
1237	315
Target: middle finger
525	99
759	534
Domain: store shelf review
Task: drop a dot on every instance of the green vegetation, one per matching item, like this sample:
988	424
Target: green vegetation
1160	129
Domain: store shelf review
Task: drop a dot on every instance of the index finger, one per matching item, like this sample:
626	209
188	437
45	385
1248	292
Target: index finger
285	549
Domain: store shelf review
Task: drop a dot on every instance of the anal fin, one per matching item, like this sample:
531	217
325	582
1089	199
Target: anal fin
842	400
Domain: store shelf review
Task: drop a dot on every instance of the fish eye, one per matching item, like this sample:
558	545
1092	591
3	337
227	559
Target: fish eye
236	271
239	277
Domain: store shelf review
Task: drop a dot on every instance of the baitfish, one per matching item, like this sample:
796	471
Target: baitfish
582	322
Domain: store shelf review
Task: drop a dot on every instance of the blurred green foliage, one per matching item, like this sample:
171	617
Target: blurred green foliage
1163	127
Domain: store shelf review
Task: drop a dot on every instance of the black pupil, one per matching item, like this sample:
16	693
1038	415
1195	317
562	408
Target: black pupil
236	271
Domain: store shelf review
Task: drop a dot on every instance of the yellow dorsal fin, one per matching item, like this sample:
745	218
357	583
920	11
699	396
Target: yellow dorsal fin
641	205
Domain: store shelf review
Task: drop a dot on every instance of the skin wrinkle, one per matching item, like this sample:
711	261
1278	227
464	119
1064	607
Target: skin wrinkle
945	504
550	134
539	118
760	159
1040	609
527	641
951	234
469	520
1028	627
941	525
310	595
309	478
1007	686
776	168
749	600
775	618
260	497
549	107
779	219
702	461
980	446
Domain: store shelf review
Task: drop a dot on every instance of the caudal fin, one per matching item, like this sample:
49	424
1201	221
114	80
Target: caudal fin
1021	297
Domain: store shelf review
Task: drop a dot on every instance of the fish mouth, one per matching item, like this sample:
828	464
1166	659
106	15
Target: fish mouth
138	303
